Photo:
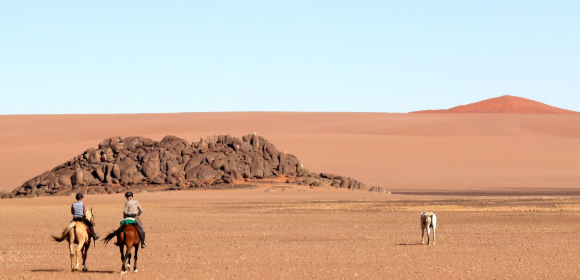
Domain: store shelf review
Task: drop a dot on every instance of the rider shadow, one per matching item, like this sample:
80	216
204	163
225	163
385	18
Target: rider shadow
61	270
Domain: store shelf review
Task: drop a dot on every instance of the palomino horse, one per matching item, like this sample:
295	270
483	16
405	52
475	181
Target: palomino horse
76	233
127	236
428	221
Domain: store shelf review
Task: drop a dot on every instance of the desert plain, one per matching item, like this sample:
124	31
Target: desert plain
505	188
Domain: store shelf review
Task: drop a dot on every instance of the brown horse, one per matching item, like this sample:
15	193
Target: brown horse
127	236
76	233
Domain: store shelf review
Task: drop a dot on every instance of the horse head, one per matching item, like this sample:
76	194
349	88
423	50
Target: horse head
90	215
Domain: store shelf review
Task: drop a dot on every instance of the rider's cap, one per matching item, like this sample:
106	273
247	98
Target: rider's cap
128	194
79	196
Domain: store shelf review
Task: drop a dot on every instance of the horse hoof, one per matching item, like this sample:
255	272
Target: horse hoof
85	269
135	271
123	272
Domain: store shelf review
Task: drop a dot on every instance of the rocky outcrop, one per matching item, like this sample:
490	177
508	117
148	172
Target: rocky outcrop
133	163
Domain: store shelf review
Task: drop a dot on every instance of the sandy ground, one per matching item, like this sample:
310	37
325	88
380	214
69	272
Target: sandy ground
400	152
312	234
505	189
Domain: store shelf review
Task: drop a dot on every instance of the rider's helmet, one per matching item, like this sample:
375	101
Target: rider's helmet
128	194
79	196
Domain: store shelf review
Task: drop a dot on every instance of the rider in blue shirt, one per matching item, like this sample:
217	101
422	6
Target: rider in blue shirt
79	211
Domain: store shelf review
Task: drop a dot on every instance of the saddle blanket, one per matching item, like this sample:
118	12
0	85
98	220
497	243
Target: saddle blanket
128	221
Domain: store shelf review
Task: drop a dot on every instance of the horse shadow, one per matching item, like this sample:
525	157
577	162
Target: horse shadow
409	244
61	270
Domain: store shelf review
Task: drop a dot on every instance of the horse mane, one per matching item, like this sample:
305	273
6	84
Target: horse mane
113	234
90	214
64	233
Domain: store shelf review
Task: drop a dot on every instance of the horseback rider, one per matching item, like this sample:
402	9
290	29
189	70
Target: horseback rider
134	210
79	212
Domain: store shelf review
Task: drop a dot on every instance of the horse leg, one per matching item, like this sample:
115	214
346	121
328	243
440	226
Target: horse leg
122	248
135	265
428	232
129	260
71	245
422	234
433	234
79	254
127	253
434	225
85	253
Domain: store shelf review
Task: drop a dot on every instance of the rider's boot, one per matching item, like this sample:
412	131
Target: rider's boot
142	236
95	235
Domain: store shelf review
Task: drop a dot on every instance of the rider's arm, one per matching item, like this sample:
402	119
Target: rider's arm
125	210
84	209
72	210
140	209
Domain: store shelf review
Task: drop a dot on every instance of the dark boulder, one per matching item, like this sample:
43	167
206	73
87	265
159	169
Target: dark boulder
151	165
94	156
78	177
127	167
65	178
136	142
194	161
206	173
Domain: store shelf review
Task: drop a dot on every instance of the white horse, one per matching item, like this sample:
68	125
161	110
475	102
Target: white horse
428	221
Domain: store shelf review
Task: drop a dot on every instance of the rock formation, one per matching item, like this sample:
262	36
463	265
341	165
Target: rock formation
139	163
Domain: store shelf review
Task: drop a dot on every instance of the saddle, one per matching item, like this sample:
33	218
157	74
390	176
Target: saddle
128	221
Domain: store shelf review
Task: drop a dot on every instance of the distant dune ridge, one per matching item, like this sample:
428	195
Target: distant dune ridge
137	163
399	152
506	104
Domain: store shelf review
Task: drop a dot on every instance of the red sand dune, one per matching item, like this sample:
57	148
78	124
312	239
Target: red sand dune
395	151
504	105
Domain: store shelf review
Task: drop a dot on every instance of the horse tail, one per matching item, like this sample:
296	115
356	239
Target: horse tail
113	234
64	233
434	221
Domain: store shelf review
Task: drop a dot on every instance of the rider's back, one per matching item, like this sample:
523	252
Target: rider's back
78	209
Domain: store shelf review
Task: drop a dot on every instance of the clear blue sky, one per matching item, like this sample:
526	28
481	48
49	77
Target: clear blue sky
358	56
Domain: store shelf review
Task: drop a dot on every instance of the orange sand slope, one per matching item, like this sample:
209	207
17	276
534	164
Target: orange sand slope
395	151
504	105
